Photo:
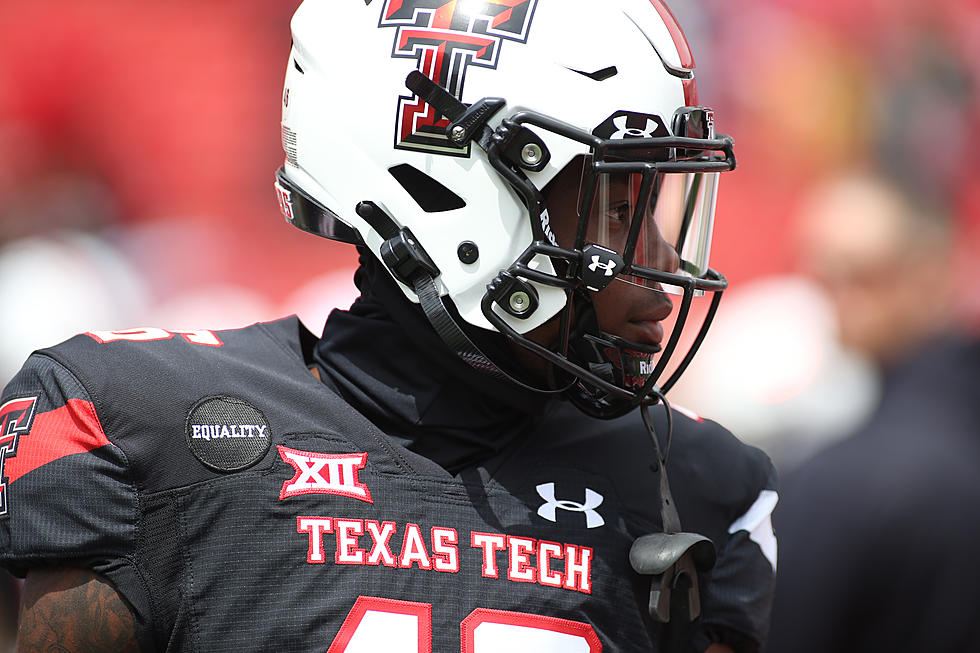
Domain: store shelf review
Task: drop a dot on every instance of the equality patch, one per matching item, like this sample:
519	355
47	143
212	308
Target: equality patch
227	434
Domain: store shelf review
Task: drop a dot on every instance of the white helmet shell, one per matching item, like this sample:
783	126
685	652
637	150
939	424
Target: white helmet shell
348	118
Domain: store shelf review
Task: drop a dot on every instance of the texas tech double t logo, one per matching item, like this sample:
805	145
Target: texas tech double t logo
16	417
446	37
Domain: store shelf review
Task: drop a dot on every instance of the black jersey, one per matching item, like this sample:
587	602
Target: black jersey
239	504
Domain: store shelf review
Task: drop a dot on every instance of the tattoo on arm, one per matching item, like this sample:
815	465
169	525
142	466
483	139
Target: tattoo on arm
73	611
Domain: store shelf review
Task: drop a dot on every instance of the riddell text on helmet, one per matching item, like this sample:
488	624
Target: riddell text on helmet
524	559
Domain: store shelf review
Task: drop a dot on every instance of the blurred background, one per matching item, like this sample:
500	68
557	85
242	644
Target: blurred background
138	142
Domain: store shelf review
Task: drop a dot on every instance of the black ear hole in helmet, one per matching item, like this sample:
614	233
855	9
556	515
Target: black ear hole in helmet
428	193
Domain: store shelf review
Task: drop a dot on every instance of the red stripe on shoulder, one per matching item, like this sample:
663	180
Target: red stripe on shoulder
687	412
72	428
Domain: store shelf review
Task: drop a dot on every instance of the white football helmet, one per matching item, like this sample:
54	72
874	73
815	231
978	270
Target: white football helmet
428	131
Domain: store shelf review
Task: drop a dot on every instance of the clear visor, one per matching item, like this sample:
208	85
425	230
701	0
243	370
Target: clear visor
658	221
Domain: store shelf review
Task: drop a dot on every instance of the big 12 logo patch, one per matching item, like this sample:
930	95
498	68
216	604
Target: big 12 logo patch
16	417
446	37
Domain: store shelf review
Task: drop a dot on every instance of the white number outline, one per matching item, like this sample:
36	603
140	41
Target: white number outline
202	337
467	629
365	604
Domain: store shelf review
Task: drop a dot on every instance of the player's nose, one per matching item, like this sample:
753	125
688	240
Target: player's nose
671	259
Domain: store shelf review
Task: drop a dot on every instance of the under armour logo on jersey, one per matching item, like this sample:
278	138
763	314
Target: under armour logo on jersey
607	267
550	509
323	473
16	417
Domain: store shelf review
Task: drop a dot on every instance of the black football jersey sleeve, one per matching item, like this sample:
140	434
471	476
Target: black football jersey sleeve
67	490
238	504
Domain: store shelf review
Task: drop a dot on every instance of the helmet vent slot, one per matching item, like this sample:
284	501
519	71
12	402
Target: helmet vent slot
428	193
600	75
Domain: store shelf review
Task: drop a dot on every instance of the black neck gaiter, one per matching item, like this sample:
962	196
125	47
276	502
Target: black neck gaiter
384	358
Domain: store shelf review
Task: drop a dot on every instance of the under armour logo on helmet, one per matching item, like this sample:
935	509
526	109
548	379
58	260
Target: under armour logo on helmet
625	131
608	267
549	510
624	125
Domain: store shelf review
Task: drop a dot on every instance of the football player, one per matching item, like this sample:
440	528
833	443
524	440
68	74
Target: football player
478	455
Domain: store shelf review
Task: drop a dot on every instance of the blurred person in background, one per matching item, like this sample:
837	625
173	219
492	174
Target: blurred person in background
886	262
900	97
879	532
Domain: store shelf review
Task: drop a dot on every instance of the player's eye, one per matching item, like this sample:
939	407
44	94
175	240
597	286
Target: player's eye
619	212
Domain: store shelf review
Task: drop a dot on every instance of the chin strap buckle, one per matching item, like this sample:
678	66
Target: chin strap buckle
406	259
400	251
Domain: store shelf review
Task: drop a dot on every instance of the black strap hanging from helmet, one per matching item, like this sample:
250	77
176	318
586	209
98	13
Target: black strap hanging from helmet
672	557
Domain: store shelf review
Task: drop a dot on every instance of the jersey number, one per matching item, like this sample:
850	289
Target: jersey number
375	624
147	334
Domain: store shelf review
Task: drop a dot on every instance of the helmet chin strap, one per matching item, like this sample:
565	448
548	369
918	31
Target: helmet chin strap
408	262
455	338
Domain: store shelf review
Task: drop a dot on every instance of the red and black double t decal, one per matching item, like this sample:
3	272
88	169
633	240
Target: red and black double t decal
446	37
16	418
